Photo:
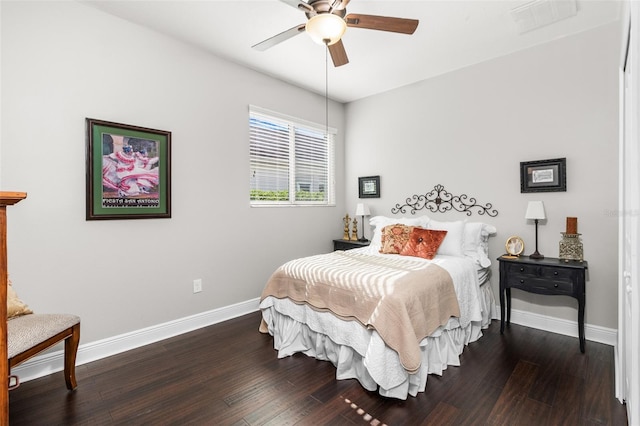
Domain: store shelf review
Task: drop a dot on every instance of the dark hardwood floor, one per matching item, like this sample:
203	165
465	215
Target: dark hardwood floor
228	374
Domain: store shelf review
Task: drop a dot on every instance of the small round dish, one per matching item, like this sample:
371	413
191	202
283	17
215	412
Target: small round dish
514	246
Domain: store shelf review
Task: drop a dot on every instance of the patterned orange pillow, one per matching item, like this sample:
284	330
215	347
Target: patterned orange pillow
394	238
423	243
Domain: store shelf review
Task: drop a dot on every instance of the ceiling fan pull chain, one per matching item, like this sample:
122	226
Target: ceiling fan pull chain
326	88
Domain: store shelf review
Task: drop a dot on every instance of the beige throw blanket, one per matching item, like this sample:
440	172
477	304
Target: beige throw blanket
404	300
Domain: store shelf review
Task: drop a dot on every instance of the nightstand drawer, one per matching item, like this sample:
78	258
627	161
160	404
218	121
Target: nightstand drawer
540	285
557	273
349	244
549	273
522	269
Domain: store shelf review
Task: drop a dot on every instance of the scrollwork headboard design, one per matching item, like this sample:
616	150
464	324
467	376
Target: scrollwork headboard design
439	200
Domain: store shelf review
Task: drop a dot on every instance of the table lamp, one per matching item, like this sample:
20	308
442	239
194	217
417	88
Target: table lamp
362	210
535	211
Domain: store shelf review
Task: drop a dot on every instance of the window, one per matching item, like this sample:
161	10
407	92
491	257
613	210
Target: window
291	161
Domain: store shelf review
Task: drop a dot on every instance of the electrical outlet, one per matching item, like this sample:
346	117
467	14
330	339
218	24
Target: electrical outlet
197	285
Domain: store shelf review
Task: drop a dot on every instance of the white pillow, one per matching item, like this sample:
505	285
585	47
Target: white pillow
475	243
452	244
379	222
472	237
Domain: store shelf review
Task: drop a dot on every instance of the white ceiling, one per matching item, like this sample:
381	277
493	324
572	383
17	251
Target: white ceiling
452	34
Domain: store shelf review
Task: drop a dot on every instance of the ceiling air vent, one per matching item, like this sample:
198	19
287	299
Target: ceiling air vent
539	13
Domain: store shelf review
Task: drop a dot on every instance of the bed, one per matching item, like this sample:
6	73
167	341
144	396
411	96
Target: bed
381	316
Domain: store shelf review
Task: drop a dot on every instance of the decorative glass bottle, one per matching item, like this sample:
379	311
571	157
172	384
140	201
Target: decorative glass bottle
571	247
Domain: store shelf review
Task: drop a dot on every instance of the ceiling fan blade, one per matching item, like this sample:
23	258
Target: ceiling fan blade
338	54
279	38
339	4
382	23
300	5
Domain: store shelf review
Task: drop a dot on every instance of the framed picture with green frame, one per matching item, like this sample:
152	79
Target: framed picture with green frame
128	171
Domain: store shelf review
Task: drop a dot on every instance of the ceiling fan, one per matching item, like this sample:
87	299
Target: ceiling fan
327	22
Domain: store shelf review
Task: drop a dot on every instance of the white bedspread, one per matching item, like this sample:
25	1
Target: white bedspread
358	352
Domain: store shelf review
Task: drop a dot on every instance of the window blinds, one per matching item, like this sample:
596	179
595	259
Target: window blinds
291	161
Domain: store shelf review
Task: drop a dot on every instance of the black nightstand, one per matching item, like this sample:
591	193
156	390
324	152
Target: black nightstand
349	244
543	276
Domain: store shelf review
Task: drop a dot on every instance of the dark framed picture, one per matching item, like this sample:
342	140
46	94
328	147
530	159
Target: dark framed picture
128	171
543	175
369	187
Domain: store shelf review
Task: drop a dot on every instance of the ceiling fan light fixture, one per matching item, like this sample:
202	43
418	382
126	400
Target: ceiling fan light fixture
326	28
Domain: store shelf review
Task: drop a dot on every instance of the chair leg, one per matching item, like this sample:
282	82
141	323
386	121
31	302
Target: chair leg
70	351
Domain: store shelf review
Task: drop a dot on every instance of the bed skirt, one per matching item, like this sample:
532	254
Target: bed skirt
360	353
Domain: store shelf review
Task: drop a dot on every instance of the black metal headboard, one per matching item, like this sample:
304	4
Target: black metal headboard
438	200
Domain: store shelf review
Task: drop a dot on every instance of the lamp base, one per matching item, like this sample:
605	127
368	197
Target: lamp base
362	239
536	255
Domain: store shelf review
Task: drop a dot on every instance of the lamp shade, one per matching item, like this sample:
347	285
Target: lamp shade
326	28
535	210
362	209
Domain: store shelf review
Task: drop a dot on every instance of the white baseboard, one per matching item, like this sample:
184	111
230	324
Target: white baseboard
594	333
51	362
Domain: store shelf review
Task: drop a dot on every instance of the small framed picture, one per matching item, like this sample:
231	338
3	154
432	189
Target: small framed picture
128	171
543	175
369	187
514	246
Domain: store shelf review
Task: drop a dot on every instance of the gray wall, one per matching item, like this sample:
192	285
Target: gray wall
470	129
467	130
64	61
